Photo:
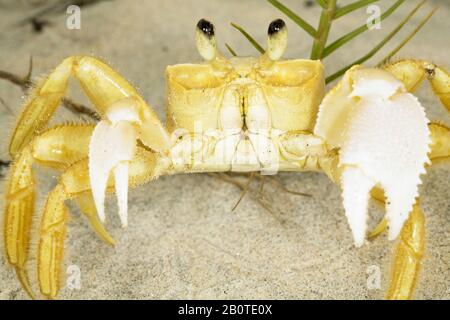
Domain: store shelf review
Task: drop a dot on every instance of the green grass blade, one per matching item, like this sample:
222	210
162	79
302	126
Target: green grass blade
377	47
294	17
407	39
326	19
344	39
230	49
249	38
352	7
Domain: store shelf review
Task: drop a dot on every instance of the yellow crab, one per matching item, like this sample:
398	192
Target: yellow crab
369	134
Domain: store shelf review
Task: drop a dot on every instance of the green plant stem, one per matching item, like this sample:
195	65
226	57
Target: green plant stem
377	47
323	31
407	39
346	38
249	37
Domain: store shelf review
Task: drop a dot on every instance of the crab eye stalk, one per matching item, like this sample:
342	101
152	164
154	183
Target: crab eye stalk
206	40
277	40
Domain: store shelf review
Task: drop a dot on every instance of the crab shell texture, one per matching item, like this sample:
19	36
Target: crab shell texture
241	114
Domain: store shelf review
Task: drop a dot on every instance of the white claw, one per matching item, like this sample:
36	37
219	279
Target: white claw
356	188
384	140
121	183
112	146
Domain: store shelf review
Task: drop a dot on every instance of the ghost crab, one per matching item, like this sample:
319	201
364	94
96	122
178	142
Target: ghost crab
368	134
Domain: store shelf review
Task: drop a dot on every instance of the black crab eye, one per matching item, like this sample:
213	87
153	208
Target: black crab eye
275	26
206	40
276	40
206	27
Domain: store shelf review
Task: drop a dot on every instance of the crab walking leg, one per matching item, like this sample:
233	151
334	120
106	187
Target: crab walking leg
408	256
51	242
440	145
20	200
61	146
75	183
409	250
87	206
413	72
102	85
51	149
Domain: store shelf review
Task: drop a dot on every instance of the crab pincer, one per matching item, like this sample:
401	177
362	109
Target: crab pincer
112	146
383	139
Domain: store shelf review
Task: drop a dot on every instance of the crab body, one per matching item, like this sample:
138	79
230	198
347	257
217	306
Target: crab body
243	116
369	134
